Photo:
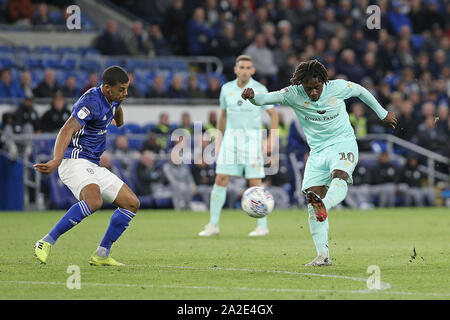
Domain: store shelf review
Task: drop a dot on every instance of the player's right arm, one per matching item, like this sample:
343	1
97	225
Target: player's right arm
262	99
62	142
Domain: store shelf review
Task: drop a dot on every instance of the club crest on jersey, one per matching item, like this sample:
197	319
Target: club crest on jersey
239	103
90	170
83	113
332	101
321	111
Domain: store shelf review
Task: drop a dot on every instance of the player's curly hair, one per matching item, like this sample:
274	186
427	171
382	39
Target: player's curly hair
113	75
308	70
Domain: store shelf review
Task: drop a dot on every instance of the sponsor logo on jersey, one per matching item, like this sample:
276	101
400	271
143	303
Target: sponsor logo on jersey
83	113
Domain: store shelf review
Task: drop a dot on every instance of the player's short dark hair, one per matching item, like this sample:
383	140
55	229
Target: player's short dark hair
113	75
308	70
243	57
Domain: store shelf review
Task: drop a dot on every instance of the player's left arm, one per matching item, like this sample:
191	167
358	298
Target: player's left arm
118	117
388	117
272	138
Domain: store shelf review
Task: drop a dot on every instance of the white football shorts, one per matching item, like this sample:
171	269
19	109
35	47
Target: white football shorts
78	173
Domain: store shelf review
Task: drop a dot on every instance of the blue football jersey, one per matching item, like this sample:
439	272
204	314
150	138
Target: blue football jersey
95	114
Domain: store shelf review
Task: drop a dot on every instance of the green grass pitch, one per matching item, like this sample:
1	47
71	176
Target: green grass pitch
167	260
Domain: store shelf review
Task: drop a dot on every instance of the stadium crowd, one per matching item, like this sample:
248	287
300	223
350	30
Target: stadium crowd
405	64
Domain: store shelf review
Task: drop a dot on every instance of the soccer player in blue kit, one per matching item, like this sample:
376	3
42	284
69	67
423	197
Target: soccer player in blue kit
78	147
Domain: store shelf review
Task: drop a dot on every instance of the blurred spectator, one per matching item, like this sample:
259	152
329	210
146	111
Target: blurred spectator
56	116
263	59
186	123
349	66
211	123
8	87
282	53
40	16
194	91
410	184
407	124
428	136
432	15
92	81
110	42
328	25
383	184
48	86
133	90
199	33
269	32
20	11
175	27
151	144
181	181
25	84
359	193
397	17
213	90
176	89
204	176
276	183
286	70
70	89
122	153
358	120
156	90
26	118
161	44
151	179
211	13
138	42
163	129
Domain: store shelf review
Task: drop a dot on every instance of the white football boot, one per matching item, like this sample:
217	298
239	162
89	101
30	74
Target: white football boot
259	232
320	261
210	230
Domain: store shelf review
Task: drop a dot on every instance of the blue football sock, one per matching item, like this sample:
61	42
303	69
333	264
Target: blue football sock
120	220
218	196
336	193
76	213
319	232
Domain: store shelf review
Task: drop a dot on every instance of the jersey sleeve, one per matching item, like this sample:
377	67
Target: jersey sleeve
287	94
349	89
263	89
84	110
222	100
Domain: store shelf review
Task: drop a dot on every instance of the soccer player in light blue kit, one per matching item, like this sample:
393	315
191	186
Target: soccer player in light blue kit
78	147
320	108
239	144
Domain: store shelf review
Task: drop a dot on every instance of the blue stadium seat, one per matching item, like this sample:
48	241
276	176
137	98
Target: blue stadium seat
378	146
60	196
33	63
131	128
43	49
148	127
7	61
135	144
114	130
90	65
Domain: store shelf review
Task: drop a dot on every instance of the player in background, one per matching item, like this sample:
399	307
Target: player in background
320	108
238	120
78	147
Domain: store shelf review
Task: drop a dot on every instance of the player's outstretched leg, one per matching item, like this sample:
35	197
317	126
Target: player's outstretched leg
336	193
218	197
73	216
120	219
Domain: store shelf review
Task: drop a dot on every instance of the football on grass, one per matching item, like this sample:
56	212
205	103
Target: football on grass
257	202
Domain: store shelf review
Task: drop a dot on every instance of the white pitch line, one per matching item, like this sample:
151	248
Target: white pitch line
125	285
383	285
